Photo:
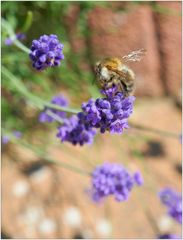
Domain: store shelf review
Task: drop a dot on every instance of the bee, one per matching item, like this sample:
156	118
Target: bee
113	72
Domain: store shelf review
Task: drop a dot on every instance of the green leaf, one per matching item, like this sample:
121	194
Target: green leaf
28	21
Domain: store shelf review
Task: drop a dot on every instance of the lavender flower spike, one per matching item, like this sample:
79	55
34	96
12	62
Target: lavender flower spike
46	52
168	236
110	113
111	179
58	100
173	201
74	130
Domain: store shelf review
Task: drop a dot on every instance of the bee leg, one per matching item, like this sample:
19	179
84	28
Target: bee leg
109	83
130	87
120	86
124	88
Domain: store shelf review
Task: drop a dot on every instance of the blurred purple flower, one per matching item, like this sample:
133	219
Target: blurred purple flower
17	134
9	41
168	236
6	139
173	201
75	131
180	138
58	100
46	52
138	178
111	179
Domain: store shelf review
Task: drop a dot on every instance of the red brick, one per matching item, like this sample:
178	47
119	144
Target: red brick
170	34
117	33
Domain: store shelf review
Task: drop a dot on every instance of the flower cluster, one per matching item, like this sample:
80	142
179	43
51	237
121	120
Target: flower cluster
9	41
57	100
73	129
173	201
6	139
46	52
113	179
76	131
110	113
168	236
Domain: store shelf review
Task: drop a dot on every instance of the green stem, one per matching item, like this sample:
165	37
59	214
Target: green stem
44	155
153	130
28	21
38	102
17	83
12	36
55	116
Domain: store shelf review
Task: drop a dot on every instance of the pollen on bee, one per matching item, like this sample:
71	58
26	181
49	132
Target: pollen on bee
105	73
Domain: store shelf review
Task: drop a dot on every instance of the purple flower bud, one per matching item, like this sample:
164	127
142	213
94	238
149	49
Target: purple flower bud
118	126
9	41
168	236
17	134
180	138
111	179
6	139
110	113
138	178
173	201
57	100
74	130
46	52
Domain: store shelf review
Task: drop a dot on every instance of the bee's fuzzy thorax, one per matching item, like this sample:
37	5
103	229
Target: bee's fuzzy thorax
105	73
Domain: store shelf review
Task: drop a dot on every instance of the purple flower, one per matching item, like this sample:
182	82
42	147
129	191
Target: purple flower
74	130
6	139
180	138
110	113
9	41
17	134
46	52
109	92
168	236
58	100
111	179
138	178
173	201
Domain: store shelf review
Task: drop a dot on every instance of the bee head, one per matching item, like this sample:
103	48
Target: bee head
97	67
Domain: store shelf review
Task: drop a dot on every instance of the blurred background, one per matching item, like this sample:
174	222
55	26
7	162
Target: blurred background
43	200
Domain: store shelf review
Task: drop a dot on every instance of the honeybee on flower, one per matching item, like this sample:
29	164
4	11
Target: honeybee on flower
113	72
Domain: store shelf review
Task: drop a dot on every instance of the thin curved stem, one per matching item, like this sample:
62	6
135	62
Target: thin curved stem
153	130
55	116
39	152
12	36
38	102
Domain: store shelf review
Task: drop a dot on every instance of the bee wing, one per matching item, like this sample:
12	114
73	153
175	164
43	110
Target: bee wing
135	56
122	74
